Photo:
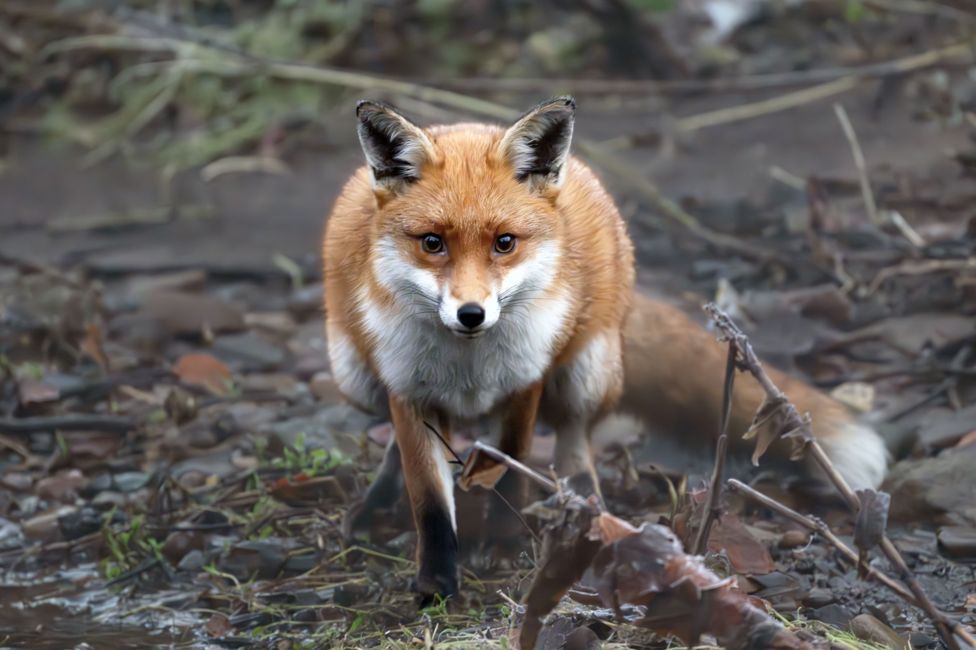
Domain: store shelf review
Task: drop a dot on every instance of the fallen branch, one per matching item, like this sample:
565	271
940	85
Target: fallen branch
712	510
791	423
71	422
821	528
642	566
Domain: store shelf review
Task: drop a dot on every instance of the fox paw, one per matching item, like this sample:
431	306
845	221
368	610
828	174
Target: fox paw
431	587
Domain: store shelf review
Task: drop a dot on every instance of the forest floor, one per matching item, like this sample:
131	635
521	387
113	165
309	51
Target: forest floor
176	461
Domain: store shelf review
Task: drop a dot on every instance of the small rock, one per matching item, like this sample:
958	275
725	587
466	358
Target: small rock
819	597
324	387
63	486
44	527
302	563
179	543
10	534
130	481
922	640
193	561
833	614
79	523
938	489
958	541
140	286
868	628
275	322
107	499
794	539
250	352
17	481
96	484
260	559
306	302
188	314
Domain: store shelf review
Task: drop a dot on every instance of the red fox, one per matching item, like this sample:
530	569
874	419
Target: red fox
475	274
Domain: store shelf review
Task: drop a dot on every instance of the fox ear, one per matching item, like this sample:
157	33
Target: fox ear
537	145
395	148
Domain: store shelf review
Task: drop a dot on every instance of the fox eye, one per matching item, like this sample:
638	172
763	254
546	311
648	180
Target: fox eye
505	244
431	243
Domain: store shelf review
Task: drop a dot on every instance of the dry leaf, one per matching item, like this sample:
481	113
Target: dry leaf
218	625
775	419
204	370
869	529
858	395
480	470
93	345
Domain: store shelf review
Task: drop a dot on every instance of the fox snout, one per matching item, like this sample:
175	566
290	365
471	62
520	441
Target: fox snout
468	318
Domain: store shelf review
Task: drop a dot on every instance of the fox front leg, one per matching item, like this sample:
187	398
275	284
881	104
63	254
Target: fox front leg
515	439
430	485
383	494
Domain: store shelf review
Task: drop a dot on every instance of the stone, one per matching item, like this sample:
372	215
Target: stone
250	352
935	490
869	628
794	539
190	314
958	541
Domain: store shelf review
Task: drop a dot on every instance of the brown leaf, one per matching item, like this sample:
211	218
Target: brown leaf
746	553
775	419
32	391
480	470
63	486
608	529
872	519
303	490
93	345
204	370
91	444
218	625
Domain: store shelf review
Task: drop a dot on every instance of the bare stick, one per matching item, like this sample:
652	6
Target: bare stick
712	510
859	163
71	422
821	528
517	466
945	625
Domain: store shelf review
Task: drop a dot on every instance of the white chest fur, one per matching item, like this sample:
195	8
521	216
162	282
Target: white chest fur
419	359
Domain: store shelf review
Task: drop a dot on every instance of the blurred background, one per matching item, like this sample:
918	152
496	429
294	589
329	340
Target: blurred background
168	422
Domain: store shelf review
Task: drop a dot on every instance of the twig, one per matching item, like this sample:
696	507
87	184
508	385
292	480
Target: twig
733	84
821	528
920	268
862	169
766	106
945	625
72	422
517	466
712	510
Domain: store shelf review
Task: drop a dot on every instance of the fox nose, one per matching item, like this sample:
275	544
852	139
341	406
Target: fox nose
471	314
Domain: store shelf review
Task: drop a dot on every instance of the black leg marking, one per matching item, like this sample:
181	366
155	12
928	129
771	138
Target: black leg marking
382	494
438	574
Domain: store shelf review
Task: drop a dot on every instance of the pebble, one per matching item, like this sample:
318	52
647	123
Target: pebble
868	628
130	481
819	597
958	541
794	539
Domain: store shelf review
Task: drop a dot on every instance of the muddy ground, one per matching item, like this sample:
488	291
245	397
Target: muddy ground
177	462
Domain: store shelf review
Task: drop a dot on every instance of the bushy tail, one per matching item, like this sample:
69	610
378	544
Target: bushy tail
673	380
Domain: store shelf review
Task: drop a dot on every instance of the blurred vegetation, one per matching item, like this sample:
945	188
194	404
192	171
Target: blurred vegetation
184	82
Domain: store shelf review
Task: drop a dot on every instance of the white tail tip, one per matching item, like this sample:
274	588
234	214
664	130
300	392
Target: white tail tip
859	454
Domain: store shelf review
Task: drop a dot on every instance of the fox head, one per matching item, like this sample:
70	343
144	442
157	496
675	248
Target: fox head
466	223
